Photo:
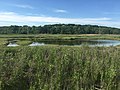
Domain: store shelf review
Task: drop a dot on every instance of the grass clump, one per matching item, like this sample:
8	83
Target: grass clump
23	42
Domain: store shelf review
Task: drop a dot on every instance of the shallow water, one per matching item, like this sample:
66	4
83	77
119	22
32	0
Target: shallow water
72	43
82	42
107	42
36	44
12	45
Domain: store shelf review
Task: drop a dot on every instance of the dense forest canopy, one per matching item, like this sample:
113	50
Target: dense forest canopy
59	29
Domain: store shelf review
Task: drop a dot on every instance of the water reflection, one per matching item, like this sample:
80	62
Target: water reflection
82	42
12	45
72	43
36	44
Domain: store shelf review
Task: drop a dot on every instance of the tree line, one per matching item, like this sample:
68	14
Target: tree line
59	29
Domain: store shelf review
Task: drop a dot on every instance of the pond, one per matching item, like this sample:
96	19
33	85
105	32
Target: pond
82	42
72	43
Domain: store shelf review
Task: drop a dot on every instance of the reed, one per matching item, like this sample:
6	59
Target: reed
60	68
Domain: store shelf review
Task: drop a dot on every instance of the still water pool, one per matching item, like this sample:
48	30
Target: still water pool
82	42
72	43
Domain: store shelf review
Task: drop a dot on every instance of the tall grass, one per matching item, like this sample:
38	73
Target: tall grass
60	68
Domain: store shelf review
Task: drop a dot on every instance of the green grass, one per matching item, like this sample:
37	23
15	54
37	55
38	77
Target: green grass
54	67
62	36
3	41
60	68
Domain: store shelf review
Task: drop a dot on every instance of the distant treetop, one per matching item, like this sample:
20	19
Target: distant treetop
59	29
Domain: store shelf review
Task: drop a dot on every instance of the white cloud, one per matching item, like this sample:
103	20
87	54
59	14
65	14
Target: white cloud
23	6
60	11
9	18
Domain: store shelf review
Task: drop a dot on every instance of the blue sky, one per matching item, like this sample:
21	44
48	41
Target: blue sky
40	12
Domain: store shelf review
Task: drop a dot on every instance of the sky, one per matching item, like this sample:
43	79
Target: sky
42	12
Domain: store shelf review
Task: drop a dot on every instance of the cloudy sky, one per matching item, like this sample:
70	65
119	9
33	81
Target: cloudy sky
40	12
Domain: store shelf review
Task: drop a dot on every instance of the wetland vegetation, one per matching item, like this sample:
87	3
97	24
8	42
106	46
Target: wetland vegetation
60	68
60	39
58	65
